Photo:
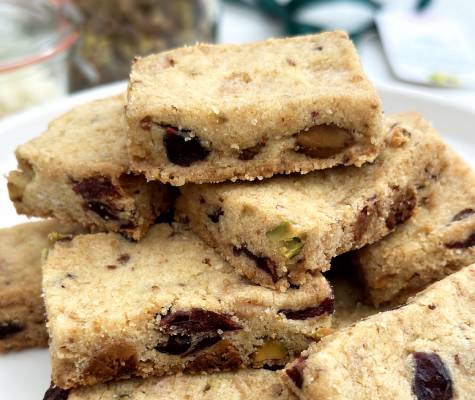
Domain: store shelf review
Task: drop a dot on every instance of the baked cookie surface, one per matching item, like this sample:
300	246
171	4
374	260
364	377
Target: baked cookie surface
210	113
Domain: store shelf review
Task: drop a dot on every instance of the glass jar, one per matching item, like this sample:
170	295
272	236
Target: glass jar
35	43
114	31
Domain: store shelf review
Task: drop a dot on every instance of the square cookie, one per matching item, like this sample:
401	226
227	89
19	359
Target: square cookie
77	171
437	241
240	385
210	113
279	231
166	304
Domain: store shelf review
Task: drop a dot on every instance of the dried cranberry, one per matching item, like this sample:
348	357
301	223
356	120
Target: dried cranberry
183	344
214	216
296	372
467	212
95	188
432	380
56	393
205	342
8	328
182	148
123	258
177	344
264	263
402	208
464	244
196	321
103	210
327	306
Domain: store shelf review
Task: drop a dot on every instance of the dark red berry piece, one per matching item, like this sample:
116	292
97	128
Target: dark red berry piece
327	306
176	344
432	380
264	263
467	212
197	321
462	244
56	393
182	148
296	372
123	258
205	342
8	328
95	188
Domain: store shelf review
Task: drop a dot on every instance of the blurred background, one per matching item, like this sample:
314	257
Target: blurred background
49	48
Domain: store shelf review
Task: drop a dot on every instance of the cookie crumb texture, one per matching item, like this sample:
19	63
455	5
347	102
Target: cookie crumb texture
220	112
77	171
166	308
22	314
277	232
437	241
424	350
240	385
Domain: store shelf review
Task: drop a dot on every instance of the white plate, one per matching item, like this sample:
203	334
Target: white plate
25	375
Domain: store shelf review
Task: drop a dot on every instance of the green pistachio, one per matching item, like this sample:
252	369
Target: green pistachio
285	235
292	247
281	232
56	236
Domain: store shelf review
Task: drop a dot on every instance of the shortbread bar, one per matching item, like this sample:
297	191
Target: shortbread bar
210	113
22	316
77	171
437	241
424	350
166	304
278	231
245	384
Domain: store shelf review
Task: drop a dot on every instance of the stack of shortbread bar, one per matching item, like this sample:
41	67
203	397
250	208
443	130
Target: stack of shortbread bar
240	225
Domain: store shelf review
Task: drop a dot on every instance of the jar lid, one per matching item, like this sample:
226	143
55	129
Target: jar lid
32	31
